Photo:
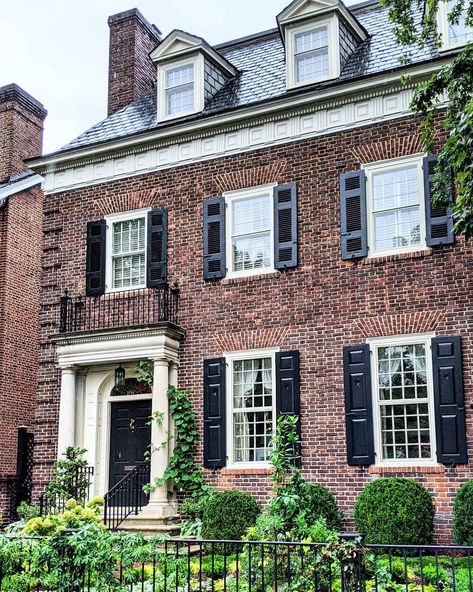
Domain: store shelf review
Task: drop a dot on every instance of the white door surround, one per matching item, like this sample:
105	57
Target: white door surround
84	411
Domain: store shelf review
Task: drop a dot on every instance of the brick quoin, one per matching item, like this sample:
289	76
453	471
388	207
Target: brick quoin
21	126
318	307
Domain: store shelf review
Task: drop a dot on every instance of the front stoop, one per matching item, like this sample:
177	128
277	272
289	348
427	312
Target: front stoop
151	526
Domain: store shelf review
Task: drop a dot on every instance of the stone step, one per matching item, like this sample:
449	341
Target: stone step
150	526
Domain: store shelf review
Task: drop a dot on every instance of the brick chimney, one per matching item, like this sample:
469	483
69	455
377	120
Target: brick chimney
21	129
131	73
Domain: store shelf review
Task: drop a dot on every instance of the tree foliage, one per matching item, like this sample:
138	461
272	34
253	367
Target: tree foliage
415	24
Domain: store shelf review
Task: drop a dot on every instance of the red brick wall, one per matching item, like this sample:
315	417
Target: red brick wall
131	73
317	308
20	249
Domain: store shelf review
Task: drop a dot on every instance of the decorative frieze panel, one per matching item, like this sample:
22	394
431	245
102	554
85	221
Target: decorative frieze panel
322	120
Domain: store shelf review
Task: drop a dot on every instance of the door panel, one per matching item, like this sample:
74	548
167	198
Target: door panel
130	437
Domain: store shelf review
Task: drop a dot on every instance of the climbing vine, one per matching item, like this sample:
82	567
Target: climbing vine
182	468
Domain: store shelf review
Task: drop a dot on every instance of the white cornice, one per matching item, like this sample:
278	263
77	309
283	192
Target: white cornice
281	121
19	186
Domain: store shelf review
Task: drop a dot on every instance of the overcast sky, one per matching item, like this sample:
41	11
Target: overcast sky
57	50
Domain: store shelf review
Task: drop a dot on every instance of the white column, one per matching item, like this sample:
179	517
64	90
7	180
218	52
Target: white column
159	504
67	409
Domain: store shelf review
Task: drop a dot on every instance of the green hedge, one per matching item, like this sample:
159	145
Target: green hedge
463	515
228	514
395	510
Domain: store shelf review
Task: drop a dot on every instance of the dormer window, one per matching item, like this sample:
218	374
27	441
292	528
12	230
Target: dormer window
312	52
190	73
453	35
179	90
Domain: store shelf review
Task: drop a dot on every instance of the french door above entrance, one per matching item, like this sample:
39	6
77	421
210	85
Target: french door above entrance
130	437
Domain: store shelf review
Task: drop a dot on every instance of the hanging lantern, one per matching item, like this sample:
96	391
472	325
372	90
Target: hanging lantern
119	375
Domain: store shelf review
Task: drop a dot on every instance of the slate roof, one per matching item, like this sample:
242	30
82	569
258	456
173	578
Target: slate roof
260	61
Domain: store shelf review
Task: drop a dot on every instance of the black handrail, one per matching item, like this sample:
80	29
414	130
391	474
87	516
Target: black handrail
55	504
127	496
118	309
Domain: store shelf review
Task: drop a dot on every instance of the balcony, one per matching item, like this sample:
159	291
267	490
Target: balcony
145	306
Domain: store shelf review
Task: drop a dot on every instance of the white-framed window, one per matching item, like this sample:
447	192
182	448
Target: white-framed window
126	251
453	35
312	52
250	231
180	88
403	406
395	200
252	408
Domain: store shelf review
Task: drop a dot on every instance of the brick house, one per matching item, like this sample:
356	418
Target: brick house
21	206
280	181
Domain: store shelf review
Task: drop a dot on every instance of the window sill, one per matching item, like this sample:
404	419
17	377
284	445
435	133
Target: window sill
246	471
248	278
396	257
388	470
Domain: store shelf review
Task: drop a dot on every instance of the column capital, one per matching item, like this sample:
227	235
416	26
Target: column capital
160	361
68	368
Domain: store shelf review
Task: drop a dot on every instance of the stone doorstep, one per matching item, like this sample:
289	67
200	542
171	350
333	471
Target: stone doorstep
148	526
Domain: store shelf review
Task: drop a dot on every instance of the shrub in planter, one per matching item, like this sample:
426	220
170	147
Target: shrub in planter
463	515
395	510
228	514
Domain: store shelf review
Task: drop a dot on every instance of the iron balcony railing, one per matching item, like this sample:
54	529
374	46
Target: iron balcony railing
118	309
127	496
78	488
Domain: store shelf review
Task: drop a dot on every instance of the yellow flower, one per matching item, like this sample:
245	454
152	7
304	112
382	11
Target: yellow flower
71	504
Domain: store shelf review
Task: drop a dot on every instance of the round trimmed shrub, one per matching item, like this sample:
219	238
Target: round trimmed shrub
395	510
228	514
463	515
319	502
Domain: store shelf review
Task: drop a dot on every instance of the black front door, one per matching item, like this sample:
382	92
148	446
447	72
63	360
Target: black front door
130	437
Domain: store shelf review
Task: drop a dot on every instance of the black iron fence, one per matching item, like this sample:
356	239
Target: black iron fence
78	488
127	496
118	309
72	564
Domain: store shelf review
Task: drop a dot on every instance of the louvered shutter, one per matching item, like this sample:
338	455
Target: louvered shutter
285	226
214	413
358	405
214	238
288	400
157	248
449	401
353	229
95	258
438	219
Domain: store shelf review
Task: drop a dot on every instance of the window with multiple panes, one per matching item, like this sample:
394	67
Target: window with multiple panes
402	385
252	408
396	206
127	260
311	54
179	89
250	231
453	35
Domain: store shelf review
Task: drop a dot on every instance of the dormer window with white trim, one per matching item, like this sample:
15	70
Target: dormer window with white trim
312	52
190	72
453	35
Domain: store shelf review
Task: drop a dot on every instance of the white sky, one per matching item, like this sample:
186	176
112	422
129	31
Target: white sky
57	50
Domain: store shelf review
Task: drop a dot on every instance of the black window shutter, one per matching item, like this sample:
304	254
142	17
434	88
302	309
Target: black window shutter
449	402
438	220
215	448
353	228
214	238
157	248
358	405
285	226
288	399
95	258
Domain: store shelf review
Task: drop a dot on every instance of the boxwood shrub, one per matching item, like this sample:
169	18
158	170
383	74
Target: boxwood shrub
395	510
228	514
463	515
318	502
